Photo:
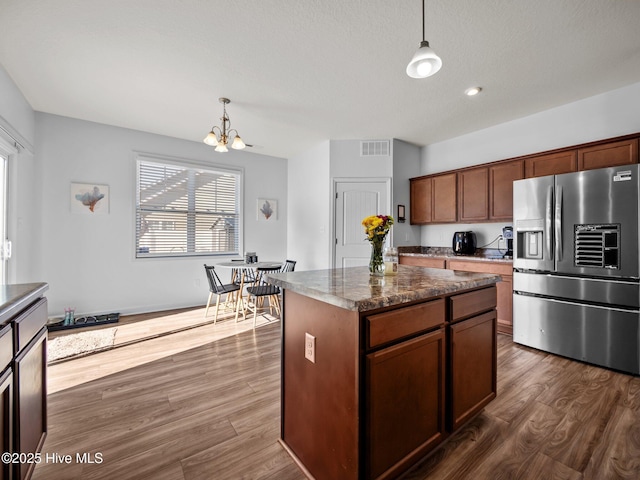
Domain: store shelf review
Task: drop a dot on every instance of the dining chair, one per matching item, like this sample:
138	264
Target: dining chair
260	290
288	266
217	288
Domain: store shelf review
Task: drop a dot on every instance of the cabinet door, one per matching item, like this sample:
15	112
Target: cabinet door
473	367
504	293
501	179
405	383
30	382
611	154
6	421
420	201
551	164
473	189
444	197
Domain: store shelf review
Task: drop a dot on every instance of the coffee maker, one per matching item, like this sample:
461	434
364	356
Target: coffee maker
507	234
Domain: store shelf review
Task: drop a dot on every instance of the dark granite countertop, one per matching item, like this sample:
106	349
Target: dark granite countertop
15	297
354	289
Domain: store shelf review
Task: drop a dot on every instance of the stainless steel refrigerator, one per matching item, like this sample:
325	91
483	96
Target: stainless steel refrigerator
576	266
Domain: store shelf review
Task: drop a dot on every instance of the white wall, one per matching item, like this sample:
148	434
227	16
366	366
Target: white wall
603	116
308	223
406	165
16	115
346	162
24	195
89	260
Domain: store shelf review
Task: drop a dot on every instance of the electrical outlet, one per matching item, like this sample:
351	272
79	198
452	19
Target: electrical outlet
310	347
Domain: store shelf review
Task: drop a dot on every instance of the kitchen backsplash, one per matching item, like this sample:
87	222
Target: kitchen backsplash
448	252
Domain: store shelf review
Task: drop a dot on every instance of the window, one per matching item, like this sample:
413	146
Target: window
184	210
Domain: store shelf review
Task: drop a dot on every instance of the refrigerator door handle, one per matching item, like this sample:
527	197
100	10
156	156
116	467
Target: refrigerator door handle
558	223
548	219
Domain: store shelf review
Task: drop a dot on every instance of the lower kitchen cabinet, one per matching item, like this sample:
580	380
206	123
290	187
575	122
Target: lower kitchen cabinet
504	288
472	366
6	420
31	399
405	382
23	375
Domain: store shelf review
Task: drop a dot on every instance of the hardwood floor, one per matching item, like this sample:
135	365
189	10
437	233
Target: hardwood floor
212	411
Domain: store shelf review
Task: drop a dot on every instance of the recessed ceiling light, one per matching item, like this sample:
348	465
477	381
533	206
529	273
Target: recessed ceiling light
472	91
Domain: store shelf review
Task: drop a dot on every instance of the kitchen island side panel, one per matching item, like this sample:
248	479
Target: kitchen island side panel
320	400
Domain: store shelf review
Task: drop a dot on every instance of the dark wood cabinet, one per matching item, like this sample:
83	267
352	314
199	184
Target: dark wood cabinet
501	178
504	288
485	192
473	367
23	375
420	198
444	198
551	164
433	199
374	401
30	378
6	421
405	382
473	195
624	152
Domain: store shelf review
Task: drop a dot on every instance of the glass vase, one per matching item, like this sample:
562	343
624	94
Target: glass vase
376	264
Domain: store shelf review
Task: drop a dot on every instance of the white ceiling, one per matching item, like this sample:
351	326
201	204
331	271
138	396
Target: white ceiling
299	72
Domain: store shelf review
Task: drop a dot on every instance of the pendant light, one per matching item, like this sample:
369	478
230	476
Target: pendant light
425	62
224	132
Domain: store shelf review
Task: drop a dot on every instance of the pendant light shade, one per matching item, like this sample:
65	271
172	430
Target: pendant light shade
425	62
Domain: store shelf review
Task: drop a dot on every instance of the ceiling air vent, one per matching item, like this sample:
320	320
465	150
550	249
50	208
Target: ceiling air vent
374	148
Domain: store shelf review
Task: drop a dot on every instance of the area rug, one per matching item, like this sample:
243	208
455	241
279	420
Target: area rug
80	343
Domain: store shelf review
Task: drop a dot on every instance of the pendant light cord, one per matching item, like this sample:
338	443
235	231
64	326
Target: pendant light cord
423	35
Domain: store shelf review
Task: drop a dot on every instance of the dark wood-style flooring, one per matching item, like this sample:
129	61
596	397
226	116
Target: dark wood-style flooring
213	412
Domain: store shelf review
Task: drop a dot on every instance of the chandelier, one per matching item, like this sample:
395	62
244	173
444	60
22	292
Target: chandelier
425	62
221	139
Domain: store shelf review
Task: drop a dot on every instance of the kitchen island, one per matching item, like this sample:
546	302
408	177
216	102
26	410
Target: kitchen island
377	371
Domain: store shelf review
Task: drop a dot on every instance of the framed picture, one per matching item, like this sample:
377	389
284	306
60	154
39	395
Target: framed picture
89	198
267	209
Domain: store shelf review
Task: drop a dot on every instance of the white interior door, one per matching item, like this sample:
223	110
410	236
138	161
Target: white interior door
356	200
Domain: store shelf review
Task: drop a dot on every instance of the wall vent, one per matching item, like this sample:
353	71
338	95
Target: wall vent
374	148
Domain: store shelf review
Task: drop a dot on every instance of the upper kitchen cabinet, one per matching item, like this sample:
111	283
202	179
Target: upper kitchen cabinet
484	193
433	199
420	207
473	195
611	154
444	198
551	164
501	178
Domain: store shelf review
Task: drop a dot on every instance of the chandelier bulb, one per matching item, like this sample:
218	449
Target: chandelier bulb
238	144
211	139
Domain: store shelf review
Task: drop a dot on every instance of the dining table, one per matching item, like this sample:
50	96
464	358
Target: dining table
245	273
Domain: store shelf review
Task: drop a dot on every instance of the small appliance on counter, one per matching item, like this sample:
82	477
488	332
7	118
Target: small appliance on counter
464	243
507	234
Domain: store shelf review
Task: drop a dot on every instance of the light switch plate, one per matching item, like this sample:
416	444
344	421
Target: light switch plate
310	347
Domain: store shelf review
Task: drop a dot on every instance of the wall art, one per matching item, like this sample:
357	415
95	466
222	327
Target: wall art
267	209
89	198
